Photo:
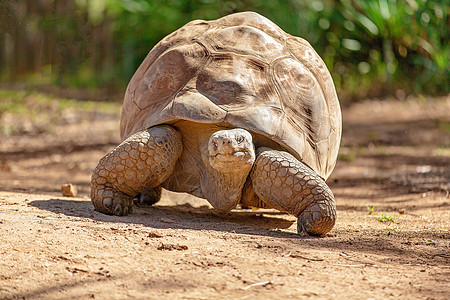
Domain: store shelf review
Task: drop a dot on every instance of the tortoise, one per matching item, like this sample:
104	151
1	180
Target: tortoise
235	111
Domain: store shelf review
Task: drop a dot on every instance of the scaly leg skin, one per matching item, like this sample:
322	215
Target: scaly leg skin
286	184
143	161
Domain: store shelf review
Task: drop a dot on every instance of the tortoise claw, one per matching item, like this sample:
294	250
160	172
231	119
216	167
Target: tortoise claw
117	210
303	226
123	209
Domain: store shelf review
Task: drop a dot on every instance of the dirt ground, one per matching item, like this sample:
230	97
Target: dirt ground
391	240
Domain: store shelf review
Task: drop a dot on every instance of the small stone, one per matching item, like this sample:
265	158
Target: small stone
69	190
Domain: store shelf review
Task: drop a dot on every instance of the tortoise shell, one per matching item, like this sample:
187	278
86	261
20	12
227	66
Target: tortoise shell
242	70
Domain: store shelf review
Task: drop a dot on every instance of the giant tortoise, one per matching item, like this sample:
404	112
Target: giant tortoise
235	111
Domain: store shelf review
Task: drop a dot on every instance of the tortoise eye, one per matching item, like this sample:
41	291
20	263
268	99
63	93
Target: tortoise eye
240	139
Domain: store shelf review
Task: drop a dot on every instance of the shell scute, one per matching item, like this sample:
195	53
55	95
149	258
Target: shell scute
303	100
254	20
237	86
168	74
245	40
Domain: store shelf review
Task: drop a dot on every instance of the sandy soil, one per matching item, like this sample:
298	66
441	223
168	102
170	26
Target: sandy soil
391	239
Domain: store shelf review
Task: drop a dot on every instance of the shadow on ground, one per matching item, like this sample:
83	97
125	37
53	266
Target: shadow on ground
261	222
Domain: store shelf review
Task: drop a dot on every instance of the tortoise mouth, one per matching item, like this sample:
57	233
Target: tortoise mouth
232	161
239	155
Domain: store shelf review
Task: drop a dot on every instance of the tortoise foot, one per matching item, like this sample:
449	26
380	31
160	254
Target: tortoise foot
112	202
317	219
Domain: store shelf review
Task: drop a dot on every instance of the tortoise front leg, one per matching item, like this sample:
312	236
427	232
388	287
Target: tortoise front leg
143	161
286	184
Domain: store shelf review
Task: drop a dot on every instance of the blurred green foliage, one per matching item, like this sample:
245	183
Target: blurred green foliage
372	48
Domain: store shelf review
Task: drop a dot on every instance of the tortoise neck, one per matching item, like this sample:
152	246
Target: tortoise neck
224	190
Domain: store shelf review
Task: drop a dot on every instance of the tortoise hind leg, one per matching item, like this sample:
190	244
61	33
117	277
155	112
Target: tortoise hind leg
286	184
143	161
249	198
150	196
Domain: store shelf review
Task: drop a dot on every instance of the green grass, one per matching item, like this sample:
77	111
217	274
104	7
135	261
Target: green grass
347	154
442	151
385	218
443	125
373	136
370	209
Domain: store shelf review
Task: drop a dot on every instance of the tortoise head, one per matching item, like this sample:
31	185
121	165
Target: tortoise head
231	151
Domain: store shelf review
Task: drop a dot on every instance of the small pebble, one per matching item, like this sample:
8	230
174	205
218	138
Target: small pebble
69	190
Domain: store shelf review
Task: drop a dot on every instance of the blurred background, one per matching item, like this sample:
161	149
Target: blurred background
374	48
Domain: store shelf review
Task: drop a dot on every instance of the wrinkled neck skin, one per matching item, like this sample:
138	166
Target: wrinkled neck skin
224	190
228	157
